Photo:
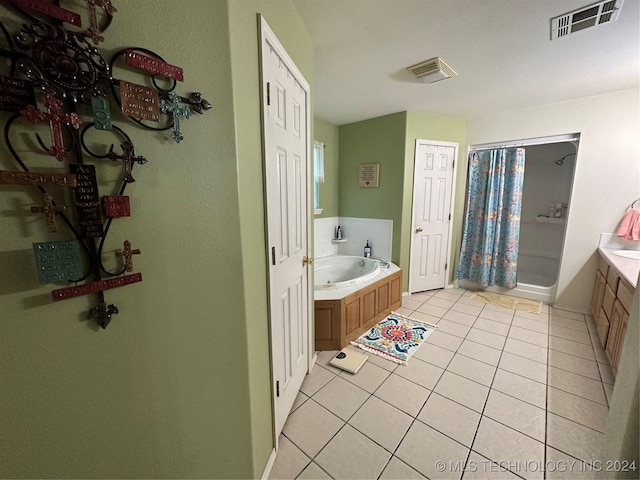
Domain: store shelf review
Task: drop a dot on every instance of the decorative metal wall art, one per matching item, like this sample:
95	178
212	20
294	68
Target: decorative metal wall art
62	70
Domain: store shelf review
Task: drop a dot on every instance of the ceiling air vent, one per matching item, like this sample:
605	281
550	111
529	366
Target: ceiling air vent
586	17
432	70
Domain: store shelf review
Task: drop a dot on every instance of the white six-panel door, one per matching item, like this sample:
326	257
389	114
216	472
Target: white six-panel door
432	197
286	134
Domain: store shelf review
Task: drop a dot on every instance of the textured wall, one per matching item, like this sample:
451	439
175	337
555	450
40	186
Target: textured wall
178	384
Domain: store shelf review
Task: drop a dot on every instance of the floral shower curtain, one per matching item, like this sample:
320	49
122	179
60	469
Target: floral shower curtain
489	253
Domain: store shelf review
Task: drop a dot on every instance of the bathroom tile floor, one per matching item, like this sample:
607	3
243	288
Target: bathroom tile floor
493	393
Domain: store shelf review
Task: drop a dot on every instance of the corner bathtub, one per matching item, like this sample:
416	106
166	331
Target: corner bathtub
352	294
342	270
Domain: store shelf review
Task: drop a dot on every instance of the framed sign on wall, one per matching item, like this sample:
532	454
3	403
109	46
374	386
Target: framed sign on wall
369	175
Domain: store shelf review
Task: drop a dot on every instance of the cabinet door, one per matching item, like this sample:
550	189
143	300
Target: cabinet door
598	294
621	317
602	326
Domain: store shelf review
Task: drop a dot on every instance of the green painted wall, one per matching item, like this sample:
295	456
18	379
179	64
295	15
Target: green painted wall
443	128
328	134
379	140
178	384
390	141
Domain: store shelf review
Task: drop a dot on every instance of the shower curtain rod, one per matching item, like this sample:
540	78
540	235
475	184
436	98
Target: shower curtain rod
525	143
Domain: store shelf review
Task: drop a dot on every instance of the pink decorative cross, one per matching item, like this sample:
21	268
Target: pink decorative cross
49	211
127	253
55	118
94	31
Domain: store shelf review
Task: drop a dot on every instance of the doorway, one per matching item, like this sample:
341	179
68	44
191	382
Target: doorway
286	133
434	173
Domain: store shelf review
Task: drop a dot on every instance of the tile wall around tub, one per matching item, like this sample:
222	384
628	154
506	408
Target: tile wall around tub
356	231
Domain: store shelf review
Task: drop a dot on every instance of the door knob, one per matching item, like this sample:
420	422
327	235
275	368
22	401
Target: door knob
418	230
307	260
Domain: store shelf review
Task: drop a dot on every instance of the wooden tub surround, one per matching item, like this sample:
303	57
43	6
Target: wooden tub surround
339	321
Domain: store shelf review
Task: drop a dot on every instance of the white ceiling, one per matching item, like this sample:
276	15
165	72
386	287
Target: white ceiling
499	48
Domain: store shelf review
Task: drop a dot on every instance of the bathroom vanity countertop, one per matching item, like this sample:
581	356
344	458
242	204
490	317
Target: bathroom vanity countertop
629	268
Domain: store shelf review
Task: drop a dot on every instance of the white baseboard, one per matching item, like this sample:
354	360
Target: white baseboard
571	308
269	466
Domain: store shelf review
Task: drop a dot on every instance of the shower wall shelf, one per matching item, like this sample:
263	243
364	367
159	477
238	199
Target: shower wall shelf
557	221
338	240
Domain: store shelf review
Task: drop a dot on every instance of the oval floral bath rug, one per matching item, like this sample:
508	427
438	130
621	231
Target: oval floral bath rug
395	338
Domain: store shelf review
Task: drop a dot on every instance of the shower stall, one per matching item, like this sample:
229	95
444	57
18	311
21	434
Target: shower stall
546	194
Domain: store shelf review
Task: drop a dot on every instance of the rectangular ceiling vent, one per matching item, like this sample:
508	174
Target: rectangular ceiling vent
586	17
432	70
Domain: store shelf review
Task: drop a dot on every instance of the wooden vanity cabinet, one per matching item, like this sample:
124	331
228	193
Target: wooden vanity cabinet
610	306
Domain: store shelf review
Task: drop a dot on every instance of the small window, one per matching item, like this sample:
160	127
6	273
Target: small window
318	172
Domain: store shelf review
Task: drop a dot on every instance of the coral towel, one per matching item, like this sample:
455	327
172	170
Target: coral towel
630	225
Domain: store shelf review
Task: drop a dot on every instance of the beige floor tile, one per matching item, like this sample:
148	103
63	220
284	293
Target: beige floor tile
450	418
311	417
556	312
481	468
425	317
375	359
572	348
397	469
467	300
369	377
449	294
520	387
498	308
529	324
486	338
433	354
571	363
381	422
527	350
480	352
472	369
341	398
578	409
325	357
561	466
461	390
351	455
453	328
313	472
410	303
529	336
290	460
492	326
496	316
570	334
462	307
300	399
404	311
577	384
423	446
503	444
433	310
403	394
317	379
538	317
523	366
441	302
445	340
460	317
579	325
421	296
422	373
572	438
516	414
